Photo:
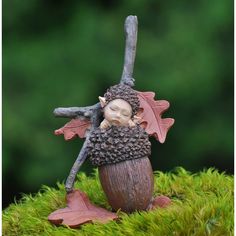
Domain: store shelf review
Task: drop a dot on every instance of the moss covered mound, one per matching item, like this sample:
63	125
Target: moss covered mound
202	204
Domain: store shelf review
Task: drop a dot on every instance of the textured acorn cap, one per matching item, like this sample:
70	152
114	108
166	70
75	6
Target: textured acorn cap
116	144
122	91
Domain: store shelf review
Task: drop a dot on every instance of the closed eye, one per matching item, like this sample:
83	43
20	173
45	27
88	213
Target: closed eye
112	108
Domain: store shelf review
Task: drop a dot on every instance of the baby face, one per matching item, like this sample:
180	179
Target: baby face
118	112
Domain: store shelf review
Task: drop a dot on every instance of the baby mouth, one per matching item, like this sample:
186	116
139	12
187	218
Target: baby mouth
115	122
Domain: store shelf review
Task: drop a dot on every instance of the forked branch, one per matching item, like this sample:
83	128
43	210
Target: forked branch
94	112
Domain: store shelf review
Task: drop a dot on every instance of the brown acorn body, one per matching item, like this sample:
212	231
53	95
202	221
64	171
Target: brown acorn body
125	172
128	185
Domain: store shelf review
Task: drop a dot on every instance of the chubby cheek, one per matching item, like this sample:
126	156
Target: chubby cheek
125	120
108	115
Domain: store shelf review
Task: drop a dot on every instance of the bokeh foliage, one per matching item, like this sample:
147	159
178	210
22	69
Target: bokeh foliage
66	53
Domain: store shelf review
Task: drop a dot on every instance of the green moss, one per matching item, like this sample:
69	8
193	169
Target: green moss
202	204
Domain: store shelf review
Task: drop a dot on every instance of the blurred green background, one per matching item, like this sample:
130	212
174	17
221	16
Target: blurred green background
66	53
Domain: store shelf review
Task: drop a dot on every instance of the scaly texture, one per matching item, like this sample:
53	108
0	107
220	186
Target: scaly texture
202	204
122	91
117	144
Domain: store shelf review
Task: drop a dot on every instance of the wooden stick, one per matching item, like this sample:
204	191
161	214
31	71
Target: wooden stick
76	112
131	31
94	112
95	122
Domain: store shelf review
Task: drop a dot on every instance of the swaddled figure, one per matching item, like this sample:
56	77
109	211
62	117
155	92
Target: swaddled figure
120	148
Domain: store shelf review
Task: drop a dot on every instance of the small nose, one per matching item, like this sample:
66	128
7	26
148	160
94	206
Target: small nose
117	114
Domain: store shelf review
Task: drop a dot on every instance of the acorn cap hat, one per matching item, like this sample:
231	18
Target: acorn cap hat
122	91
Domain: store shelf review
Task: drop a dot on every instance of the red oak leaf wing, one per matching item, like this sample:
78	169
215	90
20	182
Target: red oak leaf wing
79	211
150	114
75	127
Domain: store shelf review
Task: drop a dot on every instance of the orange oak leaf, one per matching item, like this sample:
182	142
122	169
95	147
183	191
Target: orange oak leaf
75	127
79	211
150	114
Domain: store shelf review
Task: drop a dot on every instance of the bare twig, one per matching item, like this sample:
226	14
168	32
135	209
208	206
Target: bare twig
94	112
75	168
131	30
95	121
76	112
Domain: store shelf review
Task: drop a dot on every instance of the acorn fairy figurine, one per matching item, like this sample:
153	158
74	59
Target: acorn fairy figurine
117	131
120	148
